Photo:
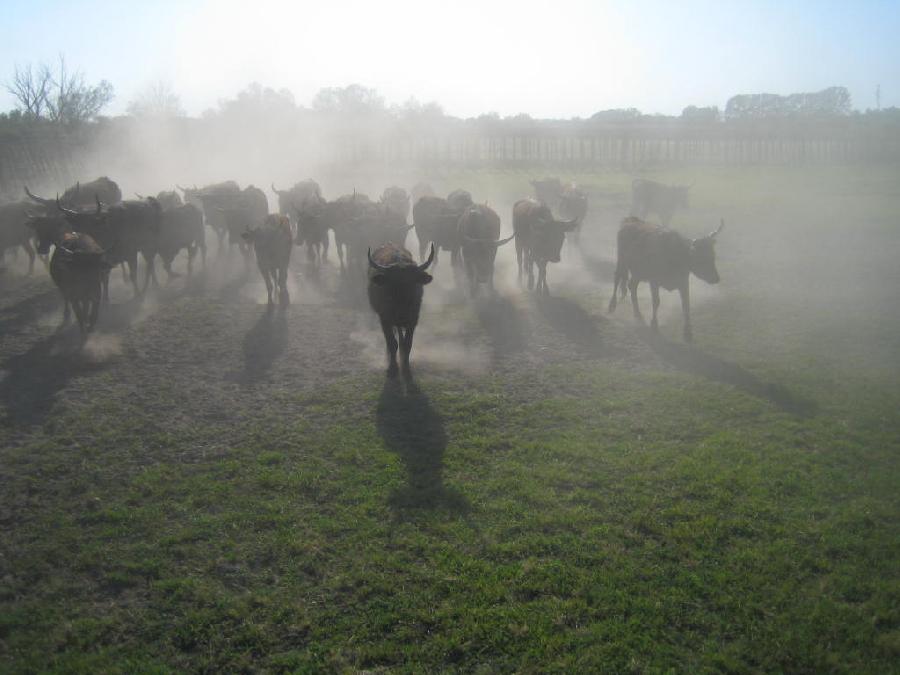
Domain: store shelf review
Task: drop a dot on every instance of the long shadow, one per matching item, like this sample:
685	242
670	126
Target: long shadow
504	323
690	359
411	427
263	343
581	328
32	380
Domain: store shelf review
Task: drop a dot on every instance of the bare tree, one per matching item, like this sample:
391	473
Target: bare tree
31	88
58	95
157	100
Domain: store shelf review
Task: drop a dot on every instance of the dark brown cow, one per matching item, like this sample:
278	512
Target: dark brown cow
341	216
547	190
664	258
312	230
123	231
303	195
539	240
648	196
573	205
435	222
210	199
397	200
395	293
246	211
78	267
181	228
272	242
479	233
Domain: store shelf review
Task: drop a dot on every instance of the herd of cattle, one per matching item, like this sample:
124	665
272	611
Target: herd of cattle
92	229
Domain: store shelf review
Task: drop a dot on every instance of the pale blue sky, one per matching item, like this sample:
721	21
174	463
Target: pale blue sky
550	59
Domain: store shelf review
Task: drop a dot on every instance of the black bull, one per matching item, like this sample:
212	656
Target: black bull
663	258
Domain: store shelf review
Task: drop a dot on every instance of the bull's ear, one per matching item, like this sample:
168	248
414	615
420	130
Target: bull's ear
378	279
424	278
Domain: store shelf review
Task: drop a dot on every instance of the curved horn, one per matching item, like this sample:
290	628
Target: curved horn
718	229
180	188
39	200
276	190
424	266
505	241
64	209
138	195
375	265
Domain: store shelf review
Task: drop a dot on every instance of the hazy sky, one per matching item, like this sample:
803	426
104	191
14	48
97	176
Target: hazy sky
550	59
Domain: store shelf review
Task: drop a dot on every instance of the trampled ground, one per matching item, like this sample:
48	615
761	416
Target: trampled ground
207	485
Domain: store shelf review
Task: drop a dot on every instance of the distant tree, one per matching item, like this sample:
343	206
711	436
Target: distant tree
157	101
695	115
30	87
353	99
834	101
71	100
616	115
256	102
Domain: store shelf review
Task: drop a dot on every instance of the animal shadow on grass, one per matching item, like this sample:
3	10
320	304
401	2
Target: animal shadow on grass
690	359
32	380
263	343
570	319
412	428
504	323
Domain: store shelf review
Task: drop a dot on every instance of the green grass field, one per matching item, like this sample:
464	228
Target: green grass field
207	487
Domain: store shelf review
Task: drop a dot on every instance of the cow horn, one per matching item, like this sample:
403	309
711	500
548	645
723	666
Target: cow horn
505	241
712	235
375	265
180	188
424	266
276	190
138	195
39	200
64	209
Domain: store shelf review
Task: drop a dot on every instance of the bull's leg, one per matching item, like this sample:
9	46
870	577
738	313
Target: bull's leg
519	261
529	267
66	313
125	273
133	274
78	308
268	277
341	250
542	286
29	249
391	345
654	295
685	292
406	341
632	288
192	253
613	301
283	296
104	282
94	306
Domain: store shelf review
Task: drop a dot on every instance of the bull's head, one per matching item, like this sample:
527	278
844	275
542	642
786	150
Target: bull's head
48	203
548	238
703	256
400	274
48	230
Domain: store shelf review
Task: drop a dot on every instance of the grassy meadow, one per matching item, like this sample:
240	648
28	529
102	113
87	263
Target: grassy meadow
208	486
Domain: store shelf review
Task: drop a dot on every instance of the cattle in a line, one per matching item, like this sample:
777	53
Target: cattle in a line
395	289
272	242
479	233
14	232
650	197
82	196
573	205
547	191
664	258
539	240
